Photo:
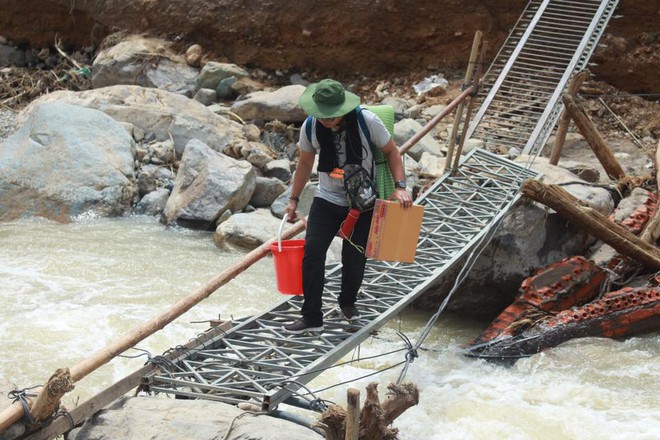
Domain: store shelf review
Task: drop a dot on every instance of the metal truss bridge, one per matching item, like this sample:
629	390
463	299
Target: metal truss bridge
255	361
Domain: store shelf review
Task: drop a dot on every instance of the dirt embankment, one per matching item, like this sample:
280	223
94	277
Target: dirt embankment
345	38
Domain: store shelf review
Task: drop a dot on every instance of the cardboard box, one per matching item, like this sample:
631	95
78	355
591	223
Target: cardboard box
394	232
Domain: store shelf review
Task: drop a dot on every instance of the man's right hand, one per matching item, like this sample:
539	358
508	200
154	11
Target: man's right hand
291	210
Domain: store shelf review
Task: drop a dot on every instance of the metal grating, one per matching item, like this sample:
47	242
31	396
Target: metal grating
520	101
255	361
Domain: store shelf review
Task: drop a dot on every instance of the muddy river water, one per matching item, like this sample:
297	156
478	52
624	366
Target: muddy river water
68	290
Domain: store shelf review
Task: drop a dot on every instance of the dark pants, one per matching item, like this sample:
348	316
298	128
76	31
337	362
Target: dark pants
323	223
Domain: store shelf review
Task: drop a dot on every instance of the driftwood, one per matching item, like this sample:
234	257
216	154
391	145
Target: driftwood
565	119
593	138
375	418
594	222
48	401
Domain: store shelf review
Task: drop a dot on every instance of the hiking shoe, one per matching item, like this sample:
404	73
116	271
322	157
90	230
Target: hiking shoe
351	313
300	326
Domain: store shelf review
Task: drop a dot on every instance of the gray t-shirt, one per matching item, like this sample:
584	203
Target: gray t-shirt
330	188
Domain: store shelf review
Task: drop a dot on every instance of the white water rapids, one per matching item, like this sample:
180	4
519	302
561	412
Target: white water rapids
69	290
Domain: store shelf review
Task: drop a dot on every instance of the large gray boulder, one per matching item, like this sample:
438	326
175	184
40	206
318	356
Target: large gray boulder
167	115
281	105
247	230
208	184
66	161
147	62
406	129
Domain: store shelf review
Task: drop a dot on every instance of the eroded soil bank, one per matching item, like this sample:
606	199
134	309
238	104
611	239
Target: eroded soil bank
345	38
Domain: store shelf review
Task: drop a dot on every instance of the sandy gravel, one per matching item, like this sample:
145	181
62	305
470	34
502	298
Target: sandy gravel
7	123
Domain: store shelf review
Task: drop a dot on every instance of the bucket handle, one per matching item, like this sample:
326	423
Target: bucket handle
279	232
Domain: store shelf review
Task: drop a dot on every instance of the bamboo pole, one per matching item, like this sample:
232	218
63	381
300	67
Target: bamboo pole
594	222
13	413
434	121
593	138
565	119
474	53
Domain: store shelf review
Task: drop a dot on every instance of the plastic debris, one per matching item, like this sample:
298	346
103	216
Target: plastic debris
431	83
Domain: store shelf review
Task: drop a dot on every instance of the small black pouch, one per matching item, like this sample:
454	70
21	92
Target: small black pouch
360	187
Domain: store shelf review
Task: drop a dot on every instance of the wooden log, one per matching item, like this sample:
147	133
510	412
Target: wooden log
593	138
352	414
372	417
13	413
651	231
565	118
468	114
594	222
333	422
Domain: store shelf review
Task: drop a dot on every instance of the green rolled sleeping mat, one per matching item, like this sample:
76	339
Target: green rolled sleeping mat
384	179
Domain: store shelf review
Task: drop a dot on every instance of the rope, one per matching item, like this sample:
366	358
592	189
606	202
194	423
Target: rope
317	404
159	360
359	377
623	124
21	396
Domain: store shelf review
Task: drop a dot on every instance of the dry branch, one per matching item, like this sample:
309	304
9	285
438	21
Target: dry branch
400	398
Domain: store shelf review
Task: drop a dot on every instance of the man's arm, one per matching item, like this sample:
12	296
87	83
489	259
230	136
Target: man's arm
395	164
300	179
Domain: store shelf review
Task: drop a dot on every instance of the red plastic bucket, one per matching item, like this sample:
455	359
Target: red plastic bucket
288	256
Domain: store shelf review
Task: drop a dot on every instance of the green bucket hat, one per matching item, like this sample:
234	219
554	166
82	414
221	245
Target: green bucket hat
328	99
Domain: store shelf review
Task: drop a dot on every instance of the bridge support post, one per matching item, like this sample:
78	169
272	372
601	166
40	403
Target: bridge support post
565	119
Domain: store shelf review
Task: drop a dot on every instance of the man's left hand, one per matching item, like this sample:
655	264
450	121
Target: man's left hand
402	196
